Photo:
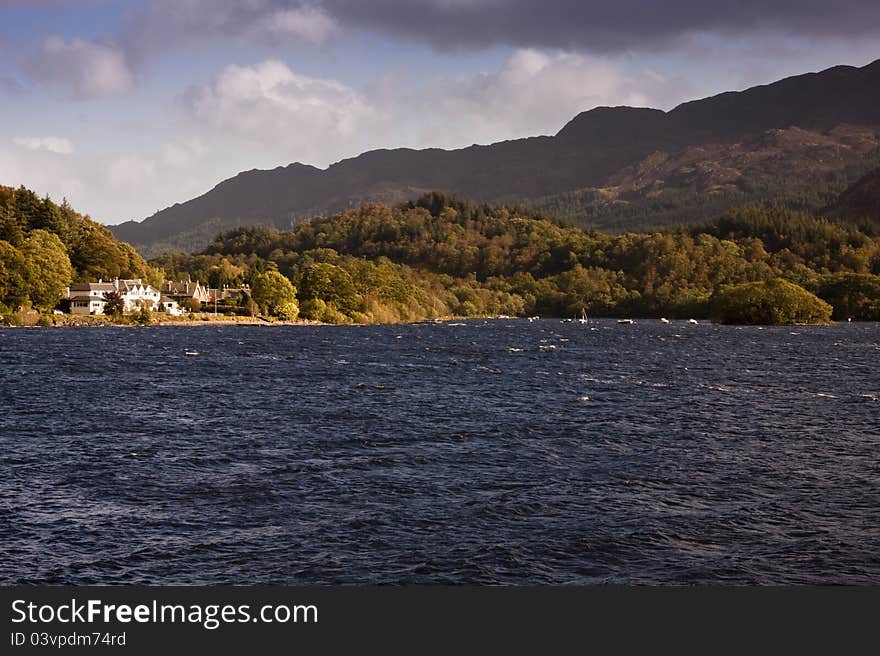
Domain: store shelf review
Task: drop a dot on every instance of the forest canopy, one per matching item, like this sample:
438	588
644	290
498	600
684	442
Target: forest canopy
441	256
44	247
768	302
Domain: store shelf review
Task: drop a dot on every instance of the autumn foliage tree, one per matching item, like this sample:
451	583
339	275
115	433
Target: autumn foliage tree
47	269
770	302
274	294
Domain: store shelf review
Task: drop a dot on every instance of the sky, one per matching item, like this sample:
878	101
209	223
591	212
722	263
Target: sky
125	107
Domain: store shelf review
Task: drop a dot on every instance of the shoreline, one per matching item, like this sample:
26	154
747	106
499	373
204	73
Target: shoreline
91	321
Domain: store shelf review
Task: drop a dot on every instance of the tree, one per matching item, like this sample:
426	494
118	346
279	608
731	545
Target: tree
48	270
287	311
440	256
154	276
271	290
853	295
114	304
13	272
191	305
10	227
142	317
332	284
223	274
769	303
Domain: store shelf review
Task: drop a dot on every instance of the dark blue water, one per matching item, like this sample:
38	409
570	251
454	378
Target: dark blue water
492	452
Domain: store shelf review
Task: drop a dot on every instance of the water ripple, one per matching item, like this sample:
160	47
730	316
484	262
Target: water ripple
435	454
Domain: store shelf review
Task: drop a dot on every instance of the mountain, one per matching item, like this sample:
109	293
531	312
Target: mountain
612	167
860	201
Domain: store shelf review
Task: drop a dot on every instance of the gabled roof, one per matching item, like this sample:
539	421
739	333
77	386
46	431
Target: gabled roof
131	284
183	288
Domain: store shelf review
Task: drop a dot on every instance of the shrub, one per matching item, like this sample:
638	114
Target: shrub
855	295
772	302
142	317
286	311
313	309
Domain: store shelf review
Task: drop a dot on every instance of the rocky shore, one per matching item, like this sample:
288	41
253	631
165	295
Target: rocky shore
28	320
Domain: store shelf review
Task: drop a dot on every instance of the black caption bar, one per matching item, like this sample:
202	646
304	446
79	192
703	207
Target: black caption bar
323	620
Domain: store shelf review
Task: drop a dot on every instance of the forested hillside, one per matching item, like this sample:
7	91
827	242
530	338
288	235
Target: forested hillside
861	201
440	256
44	247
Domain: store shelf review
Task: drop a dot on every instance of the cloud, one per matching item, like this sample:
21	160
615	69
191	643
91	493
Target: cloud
89	68
286	116
57	145
31	3
85	69
130	173
596	26
532	93
172	23
42	171
116	187
268	114
184	153
10	86
311	118
600	25
305	24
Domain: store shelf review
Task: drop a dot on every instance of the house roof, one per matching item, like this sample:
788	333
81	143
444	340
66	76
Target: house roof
92	287
130	284
187	288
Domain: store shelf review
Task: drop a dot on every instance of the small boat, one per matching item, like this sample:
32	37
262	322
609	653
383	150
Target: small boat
535	318
625	321
664	320
192	353
693	321
583	318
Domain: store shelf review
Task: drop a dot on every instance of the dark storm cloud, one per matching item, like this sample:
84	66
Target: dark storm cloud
594	26
600	25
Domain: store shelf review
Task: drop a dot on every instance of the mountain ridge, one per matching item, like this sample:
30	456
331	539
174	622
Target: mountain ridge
584	154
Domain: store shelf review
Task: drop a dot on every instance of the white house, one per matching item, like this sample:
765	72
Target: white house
88	297
170	306
137	294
